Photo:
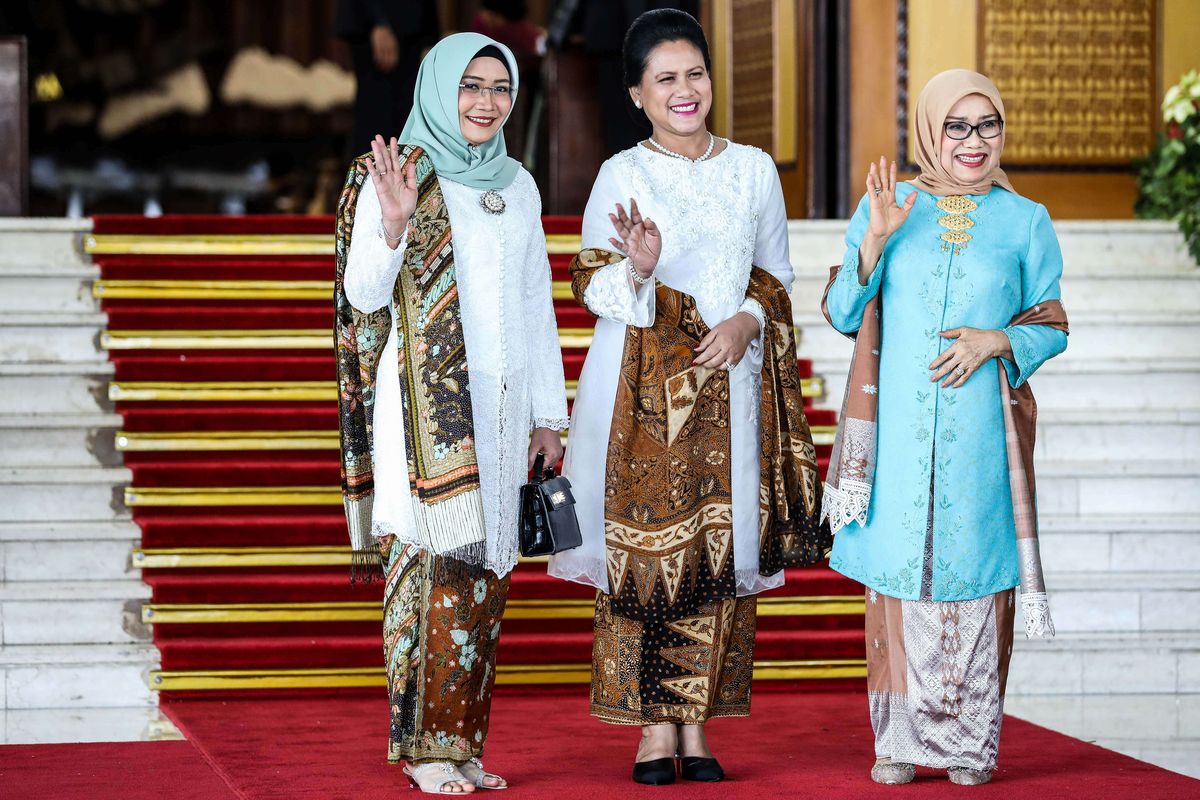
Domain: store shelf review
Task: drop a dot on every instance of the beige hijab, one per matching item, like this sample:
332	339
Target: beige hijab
934	103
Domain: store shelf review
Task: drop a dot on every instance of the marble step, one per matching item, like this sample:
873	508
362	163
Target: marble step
53	337
46	389
77	676
1162	728
1138	602
69	440
1095	336
67	494
1114	384
85	612
67	551
1172	716
1090	247
1114	488
74	725
60	292
43	245
1099	663
1146	543
1125	434
1161	293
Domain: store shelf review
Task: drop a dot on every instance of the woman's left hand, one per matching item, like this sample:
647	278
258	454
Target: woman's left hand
547	442
960	360
726	344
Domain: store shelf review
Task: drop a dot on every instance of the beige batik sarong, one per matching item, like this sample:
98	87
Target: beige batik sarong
936	673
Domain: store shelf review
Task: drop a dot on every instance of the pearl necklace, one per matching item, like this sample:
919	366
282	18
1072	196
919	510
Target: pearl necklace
712	140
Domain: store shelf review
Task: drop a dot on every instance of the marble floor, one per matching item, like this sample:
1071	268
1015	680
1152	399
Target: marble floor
1163	729
58	725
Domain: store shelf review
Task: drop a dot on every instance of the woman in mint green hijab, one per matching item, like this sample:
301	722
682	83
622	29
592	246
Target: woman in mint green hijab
443	229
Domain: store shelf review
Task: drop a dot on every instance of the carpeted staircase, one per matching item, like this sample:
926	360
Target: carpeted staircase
219	331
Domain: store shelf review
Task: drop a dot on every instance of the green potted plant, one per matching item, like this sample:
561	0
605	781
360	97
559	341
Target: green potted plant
1169	177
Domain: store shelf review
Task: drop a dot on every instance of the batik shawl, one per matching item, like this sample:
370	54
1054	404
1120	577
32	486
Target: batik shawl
438	428
668	468
851	472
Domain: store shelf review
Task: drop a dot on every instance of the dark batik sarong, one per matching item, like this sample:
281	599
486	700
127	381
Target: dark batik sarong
674	643
441	627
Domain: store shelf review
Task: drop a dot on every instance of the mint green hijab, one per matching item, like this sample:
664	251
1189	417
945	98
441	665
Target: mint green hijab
434	124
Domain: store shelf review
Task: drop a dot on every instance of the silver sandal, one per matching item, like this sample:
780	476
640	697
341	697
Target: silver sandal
965	776
474	772
450	774
892	773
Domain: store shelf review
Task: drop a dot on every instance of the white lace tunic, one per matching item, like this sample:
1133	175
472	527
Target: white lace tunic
718	218
516	370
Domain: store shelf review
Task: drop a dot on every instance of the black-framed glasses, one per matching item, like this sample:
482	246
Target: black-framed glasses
475	90
988	129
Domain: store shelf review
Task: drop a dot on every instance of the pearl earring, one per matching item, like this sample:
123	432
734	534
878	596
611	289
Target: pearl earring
637	103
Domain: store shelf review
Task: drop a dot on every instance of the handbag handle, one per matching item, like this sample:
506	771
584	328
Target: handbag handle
540	472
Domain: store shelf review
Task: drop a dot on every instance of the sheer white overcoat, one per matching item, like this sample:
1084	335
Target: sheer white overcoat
718	218
516	370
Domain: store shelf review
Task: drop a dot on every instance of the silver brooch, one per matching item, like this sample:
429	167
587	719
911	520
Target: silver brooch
492	202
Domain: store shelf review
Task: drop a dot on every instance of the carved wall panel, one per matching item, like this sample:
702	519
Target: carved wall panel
754	44
1079	78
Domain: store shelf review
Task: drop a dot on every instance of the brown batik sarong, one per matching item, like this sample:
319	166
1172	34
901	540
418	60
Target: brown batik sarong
936	673
673	641
441	627
673	644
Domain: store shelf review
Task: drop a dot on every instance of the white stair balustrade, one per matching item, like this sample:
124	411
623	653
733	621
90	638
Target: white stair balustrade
70	631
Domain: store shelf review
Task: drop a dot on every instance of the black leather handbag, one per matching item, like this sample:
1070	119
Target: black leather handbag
548	521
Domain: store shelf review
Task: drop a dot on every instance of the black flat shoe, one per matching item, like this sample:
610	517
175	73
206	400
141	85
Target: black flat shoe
707	770
659	772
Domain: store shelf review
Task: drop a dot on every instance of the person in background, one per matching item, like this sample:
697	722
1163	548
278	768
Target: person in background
386	39
507	21
600	27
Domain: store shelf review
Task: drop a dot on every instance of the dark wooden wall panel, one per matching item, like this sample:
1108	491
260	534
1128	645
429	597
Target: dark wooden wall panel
14	128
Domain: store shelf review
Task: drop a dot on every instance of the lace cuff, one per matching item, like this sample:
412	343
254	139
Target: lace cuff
1036	608
612	294
371	266
553	423
754	309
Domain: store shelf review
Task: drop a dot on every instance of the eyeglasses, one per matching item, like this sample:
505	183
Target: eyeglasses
988	129
475	90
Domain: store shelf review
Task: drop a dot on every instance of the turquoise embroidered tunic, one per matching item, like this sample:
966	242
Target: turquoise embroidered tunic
977	262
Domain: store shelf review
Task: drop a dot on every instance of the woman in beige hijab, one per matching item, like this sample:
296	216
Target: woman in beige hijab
930	486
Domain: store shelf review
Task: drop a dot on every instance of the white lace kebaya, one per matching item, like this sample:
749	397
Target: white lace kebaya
516	371
718	218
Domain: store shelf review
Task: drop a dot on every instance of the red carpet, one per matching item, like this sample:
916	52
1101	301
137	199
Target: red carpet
795	745
124	770
154	284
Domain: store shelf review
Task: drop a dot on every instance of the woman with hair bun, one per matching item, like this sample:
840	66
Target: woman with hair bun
693	468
